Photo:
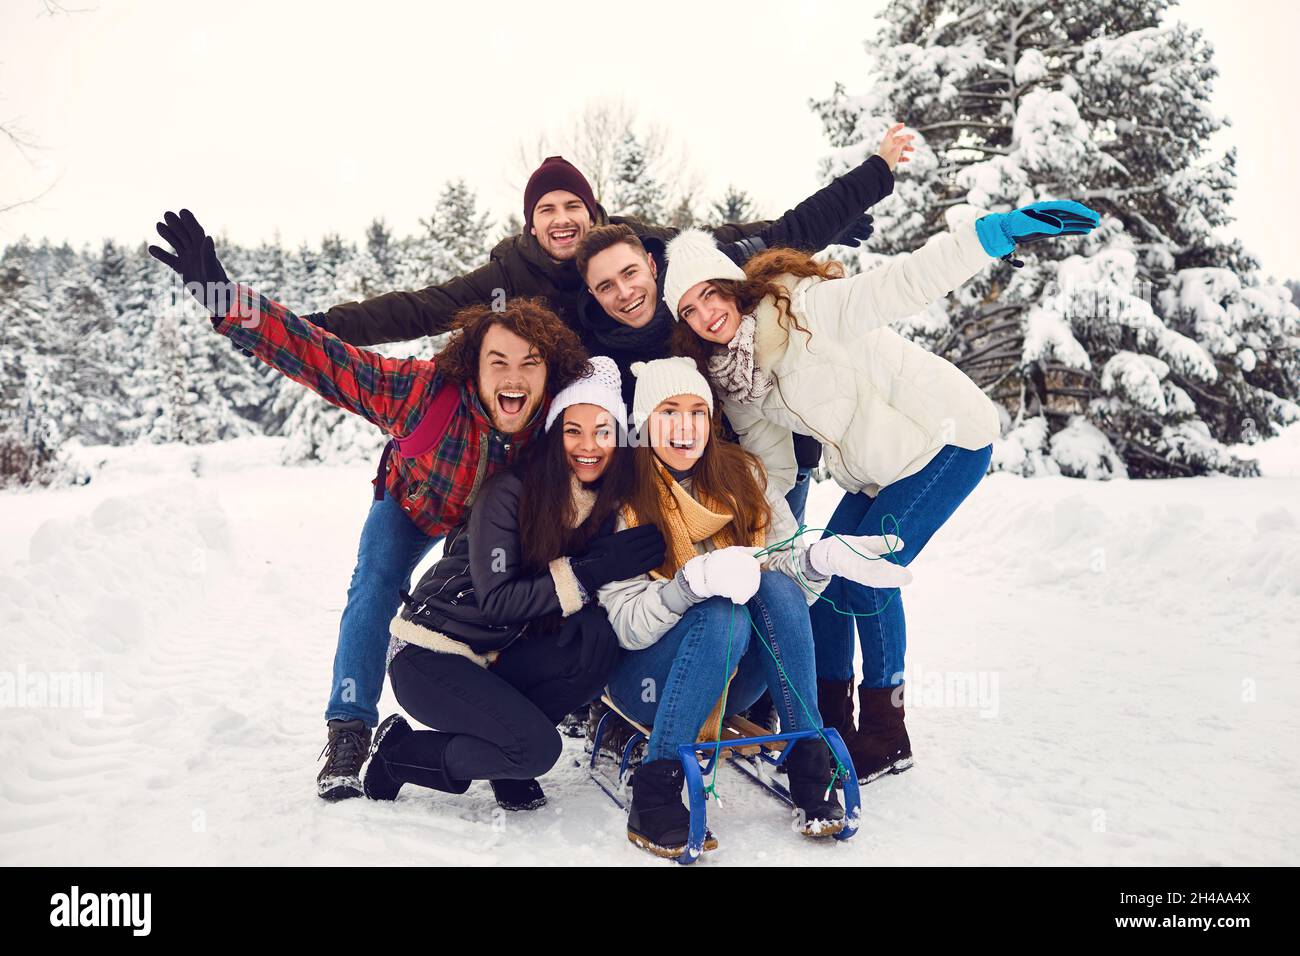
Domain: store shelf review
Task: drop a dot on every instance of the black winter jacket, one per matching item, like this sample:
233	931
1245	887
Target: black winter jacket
476	593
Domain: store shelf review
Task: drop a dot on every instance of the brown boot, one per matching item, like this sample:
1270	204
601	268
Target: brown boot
835	704
881	745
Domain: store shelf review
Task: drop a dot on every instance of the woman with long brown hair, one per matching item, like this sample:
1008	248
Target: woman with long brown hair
905	433
502	636
728	543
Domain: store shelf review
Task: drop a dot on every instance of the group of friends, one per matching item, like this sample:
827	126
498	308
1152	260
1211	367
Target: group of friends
658	559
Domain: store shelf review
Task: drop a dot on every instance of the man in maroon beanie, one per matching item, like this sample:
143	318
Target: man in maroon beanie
559	207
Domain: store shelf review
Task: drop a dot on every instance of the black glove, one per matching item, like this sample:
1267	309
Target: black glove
599	642
196	261
855	234
614	557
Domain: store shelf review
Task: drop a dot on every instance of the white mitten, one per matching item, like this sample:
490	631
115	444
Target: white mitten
857	557
728	572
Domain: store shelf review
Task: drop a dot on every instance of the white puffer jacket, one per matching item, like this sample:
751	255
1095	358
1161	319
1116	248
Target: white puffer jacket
881	406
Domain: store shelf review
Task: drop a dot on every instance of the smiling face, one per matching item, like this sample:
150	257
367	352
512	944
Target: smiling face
623	281
511	379
711	314
560	220
679	430
590	440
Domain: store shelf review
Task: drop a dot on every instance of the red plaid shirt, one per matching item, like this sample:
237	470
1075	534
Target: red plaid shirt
435	488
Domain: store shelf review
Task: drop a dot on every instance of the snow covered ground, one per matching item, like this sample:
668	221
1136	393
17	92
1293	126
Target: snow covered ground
1102	673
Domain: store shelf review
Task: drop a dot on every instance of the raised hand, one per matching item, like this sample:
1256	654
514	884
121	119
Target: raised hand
896	145
858	232
1001	232
195	259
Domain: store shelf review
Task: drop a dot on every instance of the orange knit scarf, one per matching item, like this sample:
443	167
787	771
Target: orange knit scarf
687	522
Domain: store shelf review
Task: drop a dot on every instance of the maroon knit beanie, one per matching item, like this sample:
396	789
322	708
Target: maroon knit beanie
556	172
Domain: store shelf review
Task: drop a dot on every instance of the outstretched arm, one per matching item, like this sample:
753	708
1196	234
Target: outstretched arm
403	316
907	283
391	393
836	211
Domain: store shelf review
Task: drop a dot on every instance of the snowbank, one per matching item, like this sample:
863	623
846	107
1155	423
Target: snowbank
1100	673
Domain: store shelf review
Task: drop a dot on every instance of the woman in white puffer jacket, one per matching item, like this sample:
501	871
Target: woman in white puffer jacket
906	433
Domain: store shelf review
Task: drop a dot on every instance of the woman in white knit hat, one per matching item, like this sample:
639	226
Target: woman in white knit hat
726	536
502	637
905	433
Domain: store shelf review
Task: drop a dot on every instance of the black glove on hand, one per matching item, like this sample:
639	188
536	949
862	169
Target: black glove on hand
614	557
856	234
599	642
196	261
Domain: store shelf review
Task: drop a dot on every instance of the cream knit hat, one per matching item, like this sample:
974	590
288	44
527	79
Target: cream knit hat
694	256
603	387
662	379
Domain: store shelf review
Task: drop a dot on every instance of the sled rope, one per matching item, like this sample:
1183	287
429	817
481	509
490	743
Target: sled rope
841	771
870	557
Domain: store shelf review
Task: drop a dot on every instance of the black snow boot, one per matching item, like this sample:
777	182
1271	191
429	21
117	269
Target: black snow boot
657	820
763	712
402	755
344	753
518	794
575	724
811	771
617	733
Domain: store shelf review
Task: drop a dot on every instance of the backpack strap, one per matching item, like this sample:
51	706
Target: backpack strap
433	425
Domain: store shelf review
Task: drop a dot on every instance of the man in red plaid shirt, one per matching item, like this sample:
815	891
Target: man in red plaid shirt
455	420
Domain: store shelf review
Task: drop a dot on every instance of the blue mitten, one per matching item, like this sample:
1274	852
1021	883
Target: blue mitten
1000	232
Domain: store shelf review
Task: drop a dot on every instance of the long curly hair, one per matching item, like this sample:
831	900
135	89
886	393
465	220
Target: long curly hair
761	273
529	318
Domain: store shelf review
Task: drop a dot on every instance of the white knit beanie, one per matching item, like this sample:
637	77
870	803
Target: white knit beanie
603	387
694	256
662	379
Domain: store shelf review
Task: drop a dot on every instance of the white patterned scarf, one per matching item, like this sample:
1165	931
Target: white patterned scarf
733	368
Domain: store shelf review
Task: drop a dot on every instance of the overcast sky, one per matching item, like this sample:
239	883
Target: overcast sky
308	118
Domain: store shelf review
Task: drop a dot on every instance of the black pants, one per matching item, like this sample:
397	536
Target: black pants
501	718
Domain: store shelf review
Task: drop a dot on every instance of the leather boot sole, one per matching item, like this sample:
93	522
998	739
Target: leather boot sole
817	829
668	852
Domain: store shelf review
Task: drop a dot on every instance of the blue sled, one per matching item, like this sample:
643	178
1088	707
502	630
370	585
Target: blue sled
690	756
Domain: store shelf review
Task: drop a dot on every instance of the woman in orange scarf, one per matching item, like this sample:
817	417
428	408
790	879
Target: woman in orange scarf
733	556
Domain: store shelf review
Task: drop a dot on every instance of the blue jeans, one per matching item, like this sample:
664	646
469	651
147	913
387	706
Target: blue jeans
921	503
797	497
391	546
674	683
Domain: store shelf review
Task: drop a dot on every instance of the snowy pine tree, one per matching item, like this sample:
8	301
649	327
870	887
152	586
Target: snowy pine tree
734	206
683	214
636	192
1150	346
